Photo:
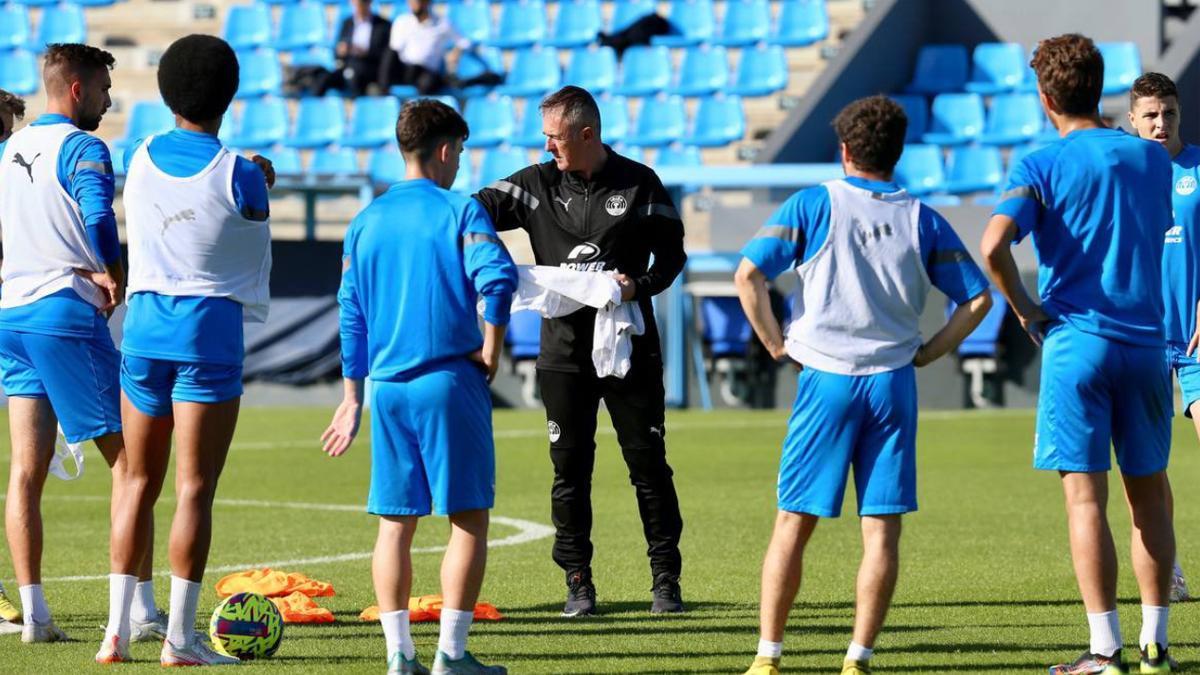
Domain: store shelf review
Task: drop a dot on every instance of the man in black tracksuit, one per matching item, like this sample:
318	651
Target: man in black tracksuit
592	209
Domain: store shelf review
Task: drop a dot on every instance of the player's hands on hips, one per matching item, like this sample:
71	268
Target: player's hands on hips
780	354
628	287
267	168
342	430
111	285
490	362
1034	322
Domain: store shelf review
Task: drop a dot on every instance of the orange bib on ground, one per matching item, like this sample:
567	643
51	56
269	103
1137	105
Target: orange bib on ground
429	608
272	584
299	608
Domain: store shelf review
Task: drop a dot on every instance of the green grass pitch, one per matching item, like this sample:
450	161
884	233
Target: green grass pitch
986	582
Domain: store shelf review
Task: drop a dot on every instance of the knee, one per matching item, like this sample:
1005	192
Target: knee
647	464
195	490
881	533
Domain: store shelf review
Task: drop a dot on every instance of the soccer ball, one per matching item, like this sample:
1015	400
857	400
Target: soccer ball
246	626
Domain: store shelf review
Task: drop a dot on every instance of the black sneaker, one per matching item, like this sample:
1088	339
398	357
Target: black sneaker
581	594
667	598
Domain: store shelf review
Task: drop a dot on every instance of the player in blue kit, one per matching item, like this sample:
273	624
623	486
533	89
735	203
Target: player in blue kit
415	261
1097	204
199	265
866	254
1154	114
62	276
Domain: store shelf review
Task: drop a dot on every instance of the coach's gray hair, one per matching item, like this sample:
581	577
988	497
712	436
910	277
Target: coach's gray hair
577	107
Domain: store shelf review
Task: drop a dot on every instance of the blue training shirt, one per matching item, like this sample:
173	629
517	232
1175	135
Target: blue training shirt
1097	203
1181	251
188	328
415	261
797	230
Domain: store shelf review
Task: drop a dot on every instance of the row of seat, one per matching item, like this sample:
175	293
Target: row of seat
50	3
997	67
955	119
966	169
58	23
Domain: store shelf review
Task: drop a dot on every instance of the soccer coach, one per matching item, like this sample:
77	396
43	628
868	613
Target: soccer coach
592	209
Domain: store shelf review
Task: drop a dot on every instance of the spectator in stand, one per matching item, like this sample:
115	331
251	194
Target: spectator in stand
424	48
361	50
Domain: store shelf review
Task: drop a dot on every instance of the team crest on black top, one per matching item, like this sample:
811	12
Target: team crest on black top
616	205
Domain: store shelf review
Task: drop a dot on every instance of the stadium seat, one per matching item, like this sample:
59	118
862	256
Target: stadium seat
386	165
996	67
644	71
501	162
746	22
614	118
955	119
87	4
260	73
800	23
314	56
762	71
633	152
1013	119
704	71
491	121
940	69
301	25
60	24
146	118
725	328
529	134
1122	65
1029	81
286	161
475	62
916	108
659	122
983	340
593	68
319	122
247	26
524	335
263	124
228	127
678	154
973	168
522	23
14	26
920	169
691	23
576	25
471	18
372	122
464	181
534	71
628	11
333	161
719	121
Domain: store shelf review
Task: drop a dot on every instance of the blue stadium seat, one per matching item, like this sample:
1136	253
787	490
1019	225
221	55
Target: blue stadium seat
659	122
614	118
996	67
146	118
719	121
529	135
319	122
1015	155
386	165
644	71
1122	65
475	62
491	121
677	154
263	124
14	26
691	21
534	71
60	24
522	23
286	161
955	119
333	161
725	328
87	4
593	68
471	18
920	169
704	71
746	22
501	162
260	73
982	342
628	11
973	168
524	335
301	25
576	25
342	12
1013	119
633	152
800	23
314	56
917	109
372	122
762	71
228	127
247	26
939	69
464	180
285	2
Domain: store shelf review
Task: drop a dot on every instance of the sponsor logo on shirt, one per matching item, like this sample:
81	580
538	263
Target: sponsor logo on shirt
1186	185
616	205
1174	235
582	258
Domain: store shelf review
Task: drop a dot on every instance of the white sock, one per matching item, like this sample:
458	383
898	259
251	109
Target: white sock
1105	630
33	601
120	597
771	650
857	652
181	626
396	632
144	610
452	639
1154	625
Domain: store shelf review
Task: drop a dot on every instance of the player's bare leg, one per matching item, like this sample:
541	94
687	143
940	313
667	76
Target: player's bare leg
462	577
391	570
782	569
1153	552
1092	550
876	576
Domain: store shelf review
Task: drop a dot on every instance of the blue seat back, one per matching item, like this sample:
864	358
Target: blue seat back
315	56
704	71
645	70
983	341
501	162
286	161
719	121
471	18
745	23
247	26
614	117
593	68
659	121
801	22
319	122
524	335
920	169
333	161
1122	65
762	71
522	23
974	167
263	123
959	116
724	326
1015	118
14	26
19	72
916	108
147	118
372	122
535	70
61	24
491	121
529	134
628	11
577	23
692	21
678	154
259	73
301	25
996	67
478	61
386	165
940	68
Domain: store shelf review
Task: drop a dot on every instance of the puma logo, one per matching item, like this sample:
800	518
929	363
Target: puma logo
28	166
186	214
566	205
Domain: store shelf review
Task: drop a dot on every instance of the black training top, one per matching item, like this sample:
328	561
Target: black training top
613	222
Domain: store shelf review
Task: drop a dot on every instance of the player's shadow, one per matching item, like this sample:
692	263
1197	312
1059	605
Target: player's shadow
627	609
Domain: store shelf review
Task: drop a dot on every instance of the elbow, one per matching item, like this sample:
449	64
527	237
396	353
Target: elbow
982	304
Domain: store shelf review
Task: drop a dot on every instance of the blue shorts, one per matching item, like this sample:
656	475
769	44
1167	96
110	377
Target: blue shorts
431	443
77	375
1098	394
865	421
1187	369
152	385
